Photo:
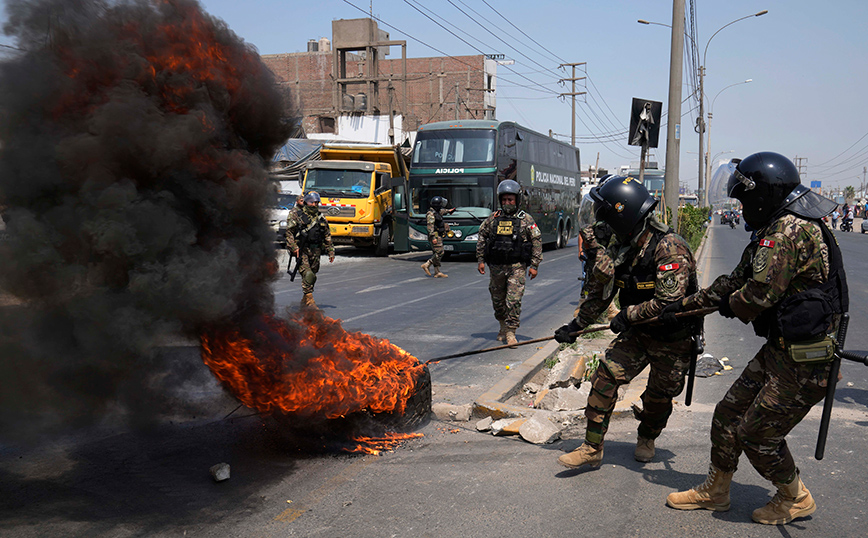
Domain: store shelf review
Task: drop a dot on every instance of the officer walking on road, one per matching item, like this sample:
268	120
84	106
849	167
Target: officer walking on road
307	235
437	229
648	266
784	277
511	244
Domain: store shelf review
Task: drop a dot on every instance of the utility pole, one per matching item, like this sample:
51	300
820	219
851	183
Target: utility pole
700	128
457	99
573	94
673	125
798	162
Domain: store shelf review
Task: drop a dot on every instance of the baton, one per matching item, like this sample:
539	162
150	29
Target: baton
833	381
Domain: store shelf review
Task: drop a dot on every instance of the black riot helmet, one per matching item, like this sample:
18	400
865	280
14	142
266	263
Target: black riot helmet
622	203
437	202
762	182
509	186
312	197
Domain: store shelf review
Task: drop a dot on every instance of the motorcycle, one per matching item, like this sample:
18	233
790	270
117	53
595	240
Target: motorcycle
732	223
847	225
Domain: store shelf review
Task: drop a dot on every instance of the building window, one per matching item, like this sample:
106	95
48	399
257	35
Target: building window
326	125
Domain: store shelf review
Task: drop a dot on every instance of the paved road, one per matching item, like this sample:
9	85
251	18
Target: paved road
454	482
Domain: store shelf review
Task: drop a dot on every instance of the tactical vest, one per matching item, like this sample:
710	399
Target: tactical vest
312	232
439	225
807	314
636	282
507	246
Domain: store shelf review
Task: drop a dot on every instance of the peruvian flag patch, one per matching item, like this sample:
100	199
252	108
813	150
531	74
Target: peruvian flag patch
668	267
767	243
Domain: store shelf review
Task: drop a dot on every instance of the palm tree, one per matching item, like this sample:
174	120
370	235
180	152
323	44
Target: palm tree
849	193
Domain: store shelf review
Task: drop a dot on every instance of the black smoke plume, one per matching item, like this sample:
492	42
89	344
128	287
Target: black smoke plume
132	175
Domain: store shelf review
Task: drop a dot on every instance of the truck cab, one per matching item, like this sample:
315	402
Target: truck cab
355	183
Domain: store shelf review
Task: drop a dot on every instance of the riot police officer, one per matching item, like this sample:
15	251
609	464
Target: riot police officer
511	244
307	236
648	266
437	229
790	283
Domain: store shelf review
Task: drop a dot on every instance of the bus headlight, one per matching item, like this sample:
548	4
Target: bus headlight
415	235
472	237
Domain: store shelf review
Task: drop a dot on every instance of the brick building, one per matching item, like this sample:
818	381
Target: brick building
339	88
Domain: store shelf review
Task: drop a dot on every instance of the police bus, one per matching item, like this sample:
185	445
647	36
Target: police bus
463	161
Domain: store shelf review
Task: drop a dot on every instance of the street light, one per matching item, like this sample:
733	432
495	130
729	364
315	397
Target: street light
708	139
700	122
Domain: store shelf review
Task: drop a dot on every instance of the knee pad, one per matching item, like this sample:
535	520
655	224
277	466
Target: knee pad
309	278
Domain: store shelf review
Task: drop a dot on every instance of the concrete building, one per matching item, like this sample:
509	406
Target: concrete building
347	88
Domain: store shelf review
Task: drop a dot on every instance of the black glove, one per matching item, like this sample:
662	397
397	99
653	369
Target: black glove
563	336
667	316
619	323
724	308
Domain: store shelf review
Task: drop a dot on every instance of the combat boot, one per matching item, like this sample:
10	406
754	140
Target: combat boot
584	455
713	494
427	267
644	450
307	301
501	336
509	337
791	501
439	274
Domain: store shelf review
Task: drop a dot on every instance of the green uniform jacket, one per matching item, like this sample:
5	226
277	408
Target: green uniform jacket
789	256
528	231
294	225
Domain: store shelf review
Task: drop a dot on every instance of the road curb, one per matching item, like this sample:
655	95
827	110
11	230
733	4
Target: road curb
492	402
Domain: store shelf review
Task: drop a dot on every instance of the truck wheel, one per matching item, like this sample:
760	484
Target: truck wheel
559	239
381	248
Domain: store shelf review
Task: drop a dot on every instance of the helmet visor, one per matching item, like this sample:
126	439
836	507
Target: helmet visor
586	212
737	183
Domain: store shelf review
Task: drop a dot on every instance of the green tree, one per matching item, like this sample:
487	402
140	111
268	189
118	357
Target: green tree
849	192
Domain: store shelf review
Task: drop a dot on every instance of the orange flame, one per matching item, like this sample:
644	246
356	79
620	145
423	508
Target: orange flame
375	445
310	366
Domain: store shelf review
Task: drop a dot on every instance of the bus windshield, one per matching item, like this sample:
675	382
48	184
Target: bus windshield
471	196
349	183
472	146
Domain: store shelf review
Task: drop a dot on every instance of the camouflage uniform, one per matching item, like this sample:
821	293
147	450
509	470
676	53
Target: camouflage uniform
507	281
773	393
669	355
311	253
434	236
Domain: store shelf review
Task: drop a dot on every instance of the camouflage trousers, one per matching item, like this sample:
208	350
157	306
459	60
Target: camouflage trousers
507	288
765	403
309	263
436	250
627	355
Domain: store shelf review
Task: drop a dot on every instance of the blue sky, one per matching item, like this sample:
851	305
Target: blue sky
805	59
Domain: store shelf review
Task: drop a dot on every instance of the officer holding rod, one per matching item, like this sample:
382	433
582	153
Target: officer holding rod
790	285
648	266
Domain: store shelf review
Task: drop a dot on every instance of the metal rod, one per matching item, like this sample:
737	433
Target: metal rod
699	312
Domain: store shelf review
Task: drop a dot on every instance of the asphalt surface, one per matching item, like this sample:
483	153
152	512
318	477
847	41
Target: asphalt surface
454	481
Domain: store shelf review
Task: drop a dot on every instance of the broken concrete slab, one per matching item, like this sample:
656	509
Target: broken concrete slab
484	425
562	399
513	427
539	430
568	371
531	388
498	426
450	412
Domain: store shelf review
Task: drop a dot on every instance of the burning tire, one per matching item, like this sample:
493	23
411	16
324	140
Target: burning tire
418	405
314	434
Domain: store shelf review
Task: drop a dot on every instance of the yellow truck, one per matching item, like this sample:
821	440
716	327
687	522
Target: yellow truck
355	184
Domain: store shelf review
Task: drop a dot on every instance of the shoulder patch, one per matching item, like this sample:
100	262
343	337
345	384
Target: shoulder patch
767	243
668	267
532	226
